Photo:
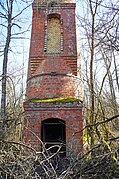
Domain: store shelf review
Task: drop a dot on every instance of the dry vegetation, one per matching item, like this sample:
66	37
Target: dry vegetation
100	157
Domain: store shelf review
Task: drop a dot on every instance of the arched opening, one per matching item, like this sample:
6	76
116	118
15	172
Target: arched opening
53	133
53	34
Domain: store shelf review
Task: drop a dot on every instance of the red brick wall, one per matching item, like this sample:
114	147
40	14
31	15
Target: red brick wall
43	84
71	113
42	62
40	15
52	86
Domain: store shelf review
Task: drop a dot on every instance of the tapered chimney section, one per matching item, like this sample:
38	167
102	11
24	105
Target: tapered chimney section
53	95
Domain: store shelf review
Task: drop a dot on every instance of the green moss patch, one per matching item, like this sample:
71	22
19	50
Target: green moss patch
54	100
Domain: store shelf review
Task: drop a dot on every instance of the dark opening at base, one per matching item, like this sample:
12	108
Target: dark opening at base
53	135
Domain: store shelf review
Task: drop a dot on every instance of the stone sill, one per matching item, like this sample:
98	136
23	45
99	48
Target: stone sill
40	105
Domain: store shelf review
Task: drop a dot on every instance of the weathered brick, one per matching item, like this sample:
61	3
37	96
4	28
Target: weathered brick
50	63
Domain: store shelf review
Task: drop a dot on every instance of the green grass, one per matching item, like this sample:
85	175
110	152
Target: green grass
54	100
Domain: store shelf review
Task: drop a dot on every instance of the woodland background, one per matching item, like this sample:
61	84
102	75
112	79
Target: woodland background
98	44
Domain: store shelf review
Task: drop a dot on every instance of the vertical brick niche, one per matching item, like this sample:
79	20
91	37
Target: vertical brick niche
52	73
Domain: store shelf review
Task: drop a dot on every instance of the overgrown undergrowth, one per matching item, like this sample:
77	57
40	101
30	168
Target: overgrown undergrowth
19	161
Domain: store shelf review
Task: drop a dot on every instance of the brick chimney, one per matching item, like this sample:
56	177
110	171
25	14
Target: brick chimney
53	107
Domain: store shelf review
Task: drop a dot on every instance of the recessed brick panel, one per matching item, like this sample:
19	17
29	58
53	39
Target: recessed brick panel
54	35
52	73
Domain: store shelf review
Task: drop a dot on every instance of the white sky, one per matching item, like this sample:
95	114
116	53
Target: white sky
20	48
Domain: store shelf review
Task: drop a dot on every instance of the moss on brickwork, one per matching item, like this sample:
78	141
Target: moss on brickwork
54	100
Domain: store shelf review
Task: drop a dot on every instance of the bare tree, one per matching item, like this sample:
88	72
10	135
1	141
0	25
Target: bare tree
100	160
99	29
10	18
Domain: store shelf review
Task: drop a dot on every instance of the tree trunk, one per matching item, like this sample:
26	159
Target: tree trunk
5	62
